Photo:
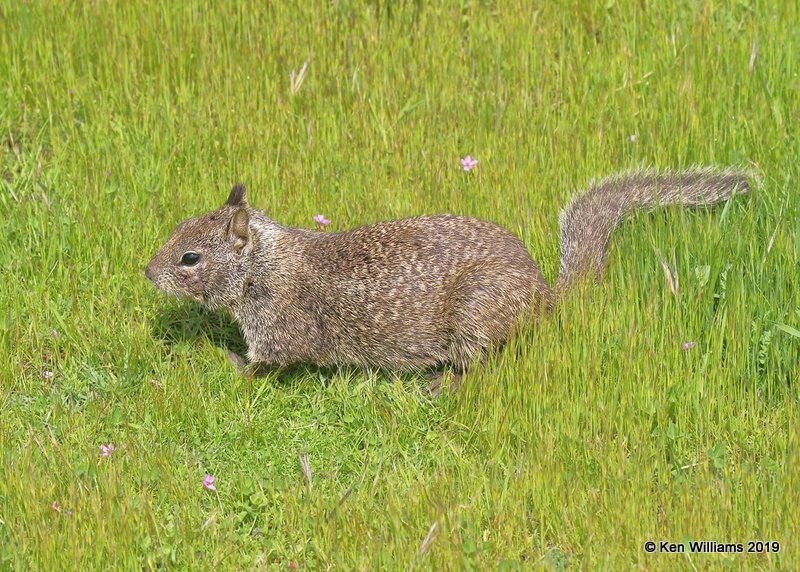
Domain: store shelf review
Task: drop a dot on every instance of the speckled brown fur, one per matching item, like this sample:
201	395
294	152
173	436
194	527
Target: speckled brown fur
408	294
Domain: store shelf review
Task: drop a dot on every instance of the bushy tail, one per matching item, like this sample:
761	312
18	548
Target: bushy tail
588	221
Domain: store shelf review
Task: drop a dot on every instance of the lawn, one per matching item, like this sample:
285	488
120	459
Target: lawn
590	434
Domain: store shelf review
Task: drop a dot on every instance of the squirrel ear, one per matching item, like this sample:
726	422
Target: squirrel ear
239	229
238	196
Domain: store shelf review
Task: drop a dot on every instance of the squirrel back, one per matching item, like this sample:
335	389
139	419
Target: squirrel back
406	294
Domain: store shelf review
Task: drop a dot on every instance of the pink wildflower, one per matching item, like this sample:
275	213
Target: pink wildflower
106	450
321	221
467	163
58	509
208	482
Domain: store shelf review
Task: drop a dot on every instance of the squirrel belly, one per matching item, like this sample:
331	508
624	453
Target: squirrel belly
406	294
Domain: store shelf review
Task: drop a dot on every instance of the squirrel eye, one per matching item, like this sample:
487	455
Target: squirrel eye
190	259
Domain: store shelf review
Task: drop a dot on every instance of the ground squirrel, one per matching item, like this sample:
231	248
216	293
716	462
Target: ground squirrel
417	293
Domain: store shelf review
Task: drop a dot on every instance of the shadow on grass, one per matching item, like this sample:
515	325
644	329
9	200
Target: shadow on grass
190	322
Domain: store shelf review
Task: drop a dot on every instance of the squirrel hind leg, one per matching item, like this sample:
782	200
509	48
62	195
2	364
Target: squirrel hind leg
486	306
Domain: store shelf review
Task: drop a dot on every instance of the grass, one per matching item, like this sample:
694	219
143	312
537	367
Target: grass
590	434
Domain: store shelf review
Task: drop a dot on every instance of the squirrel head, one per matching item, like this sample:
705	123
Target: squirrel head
205	259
